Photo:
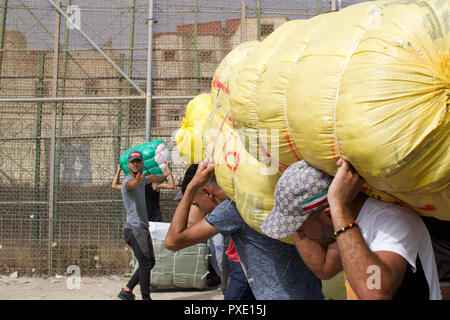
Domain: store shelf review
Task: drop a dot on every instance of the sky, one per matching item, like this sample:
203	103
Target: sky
107	22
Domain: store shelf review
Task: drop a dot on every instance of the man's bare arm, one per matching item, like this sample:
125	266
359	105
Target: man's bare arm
179	235
356	256
133	183
168	174
115	184
195	215
323	261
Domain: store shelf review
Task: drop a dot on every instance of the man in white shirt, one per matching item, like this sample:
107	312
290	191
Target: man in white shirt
384	249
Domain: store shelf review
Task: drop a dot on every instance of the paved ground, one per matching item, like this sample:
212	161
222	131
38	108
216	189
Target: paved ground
99	288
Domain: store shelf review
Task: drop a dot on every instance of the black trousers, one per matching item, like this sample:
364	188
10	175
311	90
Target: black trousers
141	243
238	287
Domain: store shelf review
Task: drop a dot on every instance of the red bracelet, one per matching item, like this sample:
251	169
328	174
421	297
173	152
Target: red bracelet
349	226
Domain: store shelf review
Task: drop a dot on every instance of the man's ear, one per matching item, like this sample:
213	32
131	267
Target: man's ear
207	192
327	213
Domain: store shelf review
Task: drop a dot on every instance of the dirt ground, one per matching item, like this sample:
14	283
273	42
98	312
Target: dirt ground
98	288
107	287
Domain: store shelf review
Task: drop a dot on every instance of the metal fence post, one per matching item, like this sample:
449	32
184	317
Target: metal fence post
51	195
148	104
2	30
130	73
60	116
117	154
243	23
196	55
37	162
258	20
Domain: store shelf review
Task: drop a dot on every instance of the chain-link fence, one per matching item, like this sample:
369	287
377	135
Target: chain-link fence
73	82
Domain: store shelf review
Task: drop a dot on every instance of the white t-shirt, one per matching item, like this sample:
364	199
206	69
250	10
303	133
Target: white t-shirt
389	227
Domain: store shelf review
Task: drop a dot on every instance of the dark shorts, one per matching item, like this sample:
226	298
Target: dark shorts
143	239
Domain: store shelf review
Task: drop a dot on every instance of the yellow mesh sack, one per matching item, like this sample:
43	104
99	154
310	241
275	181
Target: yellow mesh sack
245	180
369	83
189	136
378	93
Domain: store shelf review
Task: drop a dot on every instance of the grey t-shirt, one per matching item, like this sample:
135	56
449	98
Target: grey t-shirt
134	201
274	269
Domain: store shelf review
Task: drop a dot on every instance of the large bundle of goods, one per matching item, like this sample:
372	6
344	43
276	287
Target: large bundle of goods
370	83
186	268
154	153
189	136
